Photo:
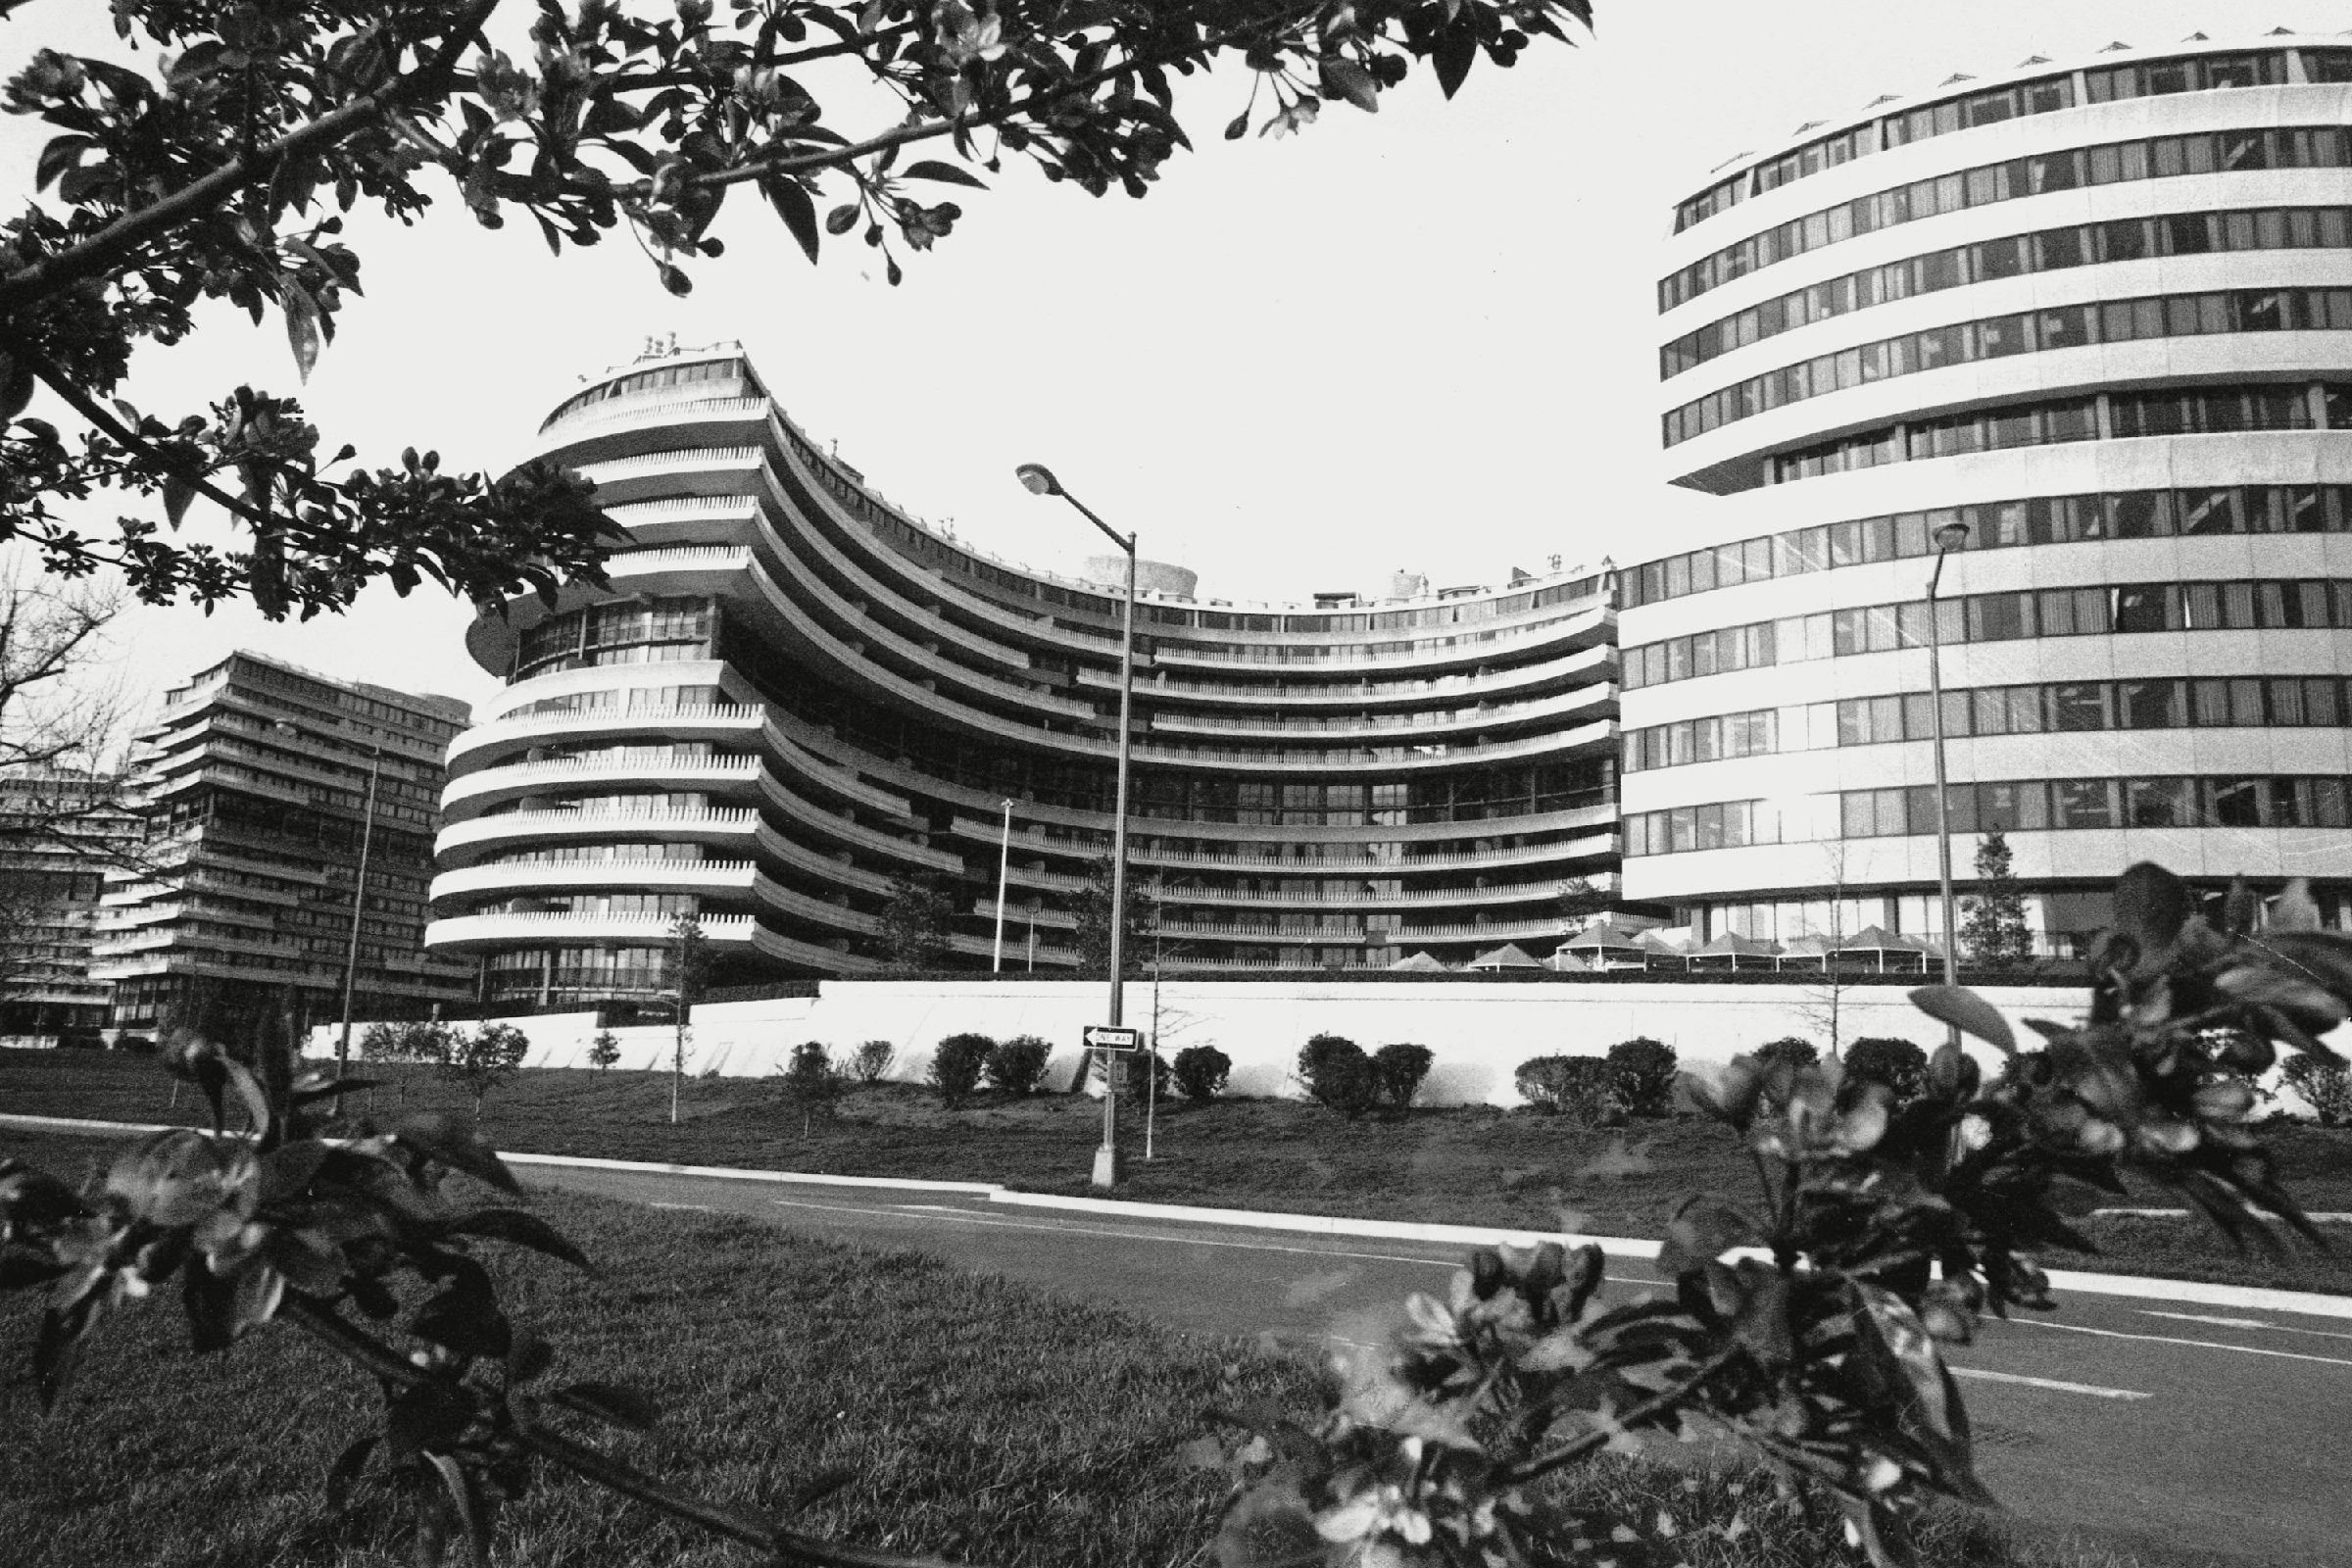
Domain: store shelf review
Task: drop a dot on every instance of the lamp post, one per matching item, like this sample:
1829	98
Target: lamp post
1039	480
1004	871
359	903
1948	538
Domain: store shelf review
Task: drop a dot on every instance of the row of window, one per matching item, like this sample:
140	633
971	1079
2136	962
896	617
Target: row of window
2041	96
1486	793
648	381
2116	416
629	622
2108	164
593	903
2263	604
2011	805
635	699
2049	250
2284	702
1996	525
1996	337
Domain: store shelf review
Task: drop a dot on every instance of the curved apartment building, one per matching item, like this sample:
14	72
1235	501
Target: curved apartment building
2101	313
795	698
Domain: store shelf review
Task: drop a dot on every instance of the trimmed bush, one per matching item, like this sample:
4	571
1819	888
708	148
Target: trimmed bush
1201	1072
1897	1064
1337	1073
1398	1071
1642	1072
870	1062
955	1066
1017	1066
1579	1088
1795	1050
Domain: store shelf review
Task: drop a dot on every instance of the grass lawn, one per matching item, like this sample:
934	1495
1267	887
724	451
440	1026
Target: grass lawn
984	1422
1467	1165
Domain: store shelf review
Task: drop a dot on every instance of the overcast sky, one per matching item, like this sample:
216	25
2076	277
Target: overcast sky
1420	339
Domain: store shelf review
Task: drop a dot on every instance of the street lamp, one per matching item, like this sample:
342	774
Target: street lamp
359	903
1948	538
1004	871
1039	480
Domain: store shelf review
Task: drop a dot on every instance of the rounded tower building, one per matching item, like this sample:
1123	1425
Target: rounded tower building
2086	325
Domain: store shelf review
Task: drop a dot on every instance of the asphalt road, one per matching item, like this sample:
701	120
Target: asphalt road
2195	1428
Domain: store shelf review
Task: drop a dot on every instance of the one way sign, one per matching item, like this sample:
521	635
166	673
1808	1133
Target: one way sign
1111	1037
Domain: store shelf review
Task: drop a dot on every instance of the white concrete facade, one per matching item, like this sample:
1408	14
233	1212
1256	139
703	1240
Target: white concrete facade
1806	782
1479	1033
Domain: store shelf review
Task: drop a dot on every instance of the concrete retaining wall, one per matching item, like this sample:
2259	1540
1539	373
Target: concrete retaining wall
1480	1033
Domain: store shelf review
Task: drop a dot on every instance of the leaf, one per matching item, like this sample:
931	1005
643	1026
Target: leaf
460	1487
611	1403
1343	78
1455	52
793	203
457	1144
522	1229
841	219
177	493
951	173
61	154
345	1473
288	1169
1966	1012
1702	1231
1926	1401
303	331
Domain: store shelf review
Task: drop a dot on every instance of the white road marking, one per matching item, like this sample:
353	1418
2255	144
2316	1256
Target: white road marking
2244	1323
1983	1376
900	1211
699	1209
2194	1345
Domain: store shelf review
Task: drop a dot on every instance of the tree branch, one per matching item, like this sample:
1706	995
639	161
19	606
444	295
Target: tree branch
106	249
89	408
1656	1405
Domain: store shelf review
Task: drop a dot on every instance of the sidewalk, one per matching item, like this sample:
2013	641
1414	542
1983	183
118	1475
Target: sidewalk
2244	1298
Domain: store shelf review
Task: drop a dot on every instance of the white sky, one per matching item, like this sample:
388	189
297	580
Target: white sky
1420	339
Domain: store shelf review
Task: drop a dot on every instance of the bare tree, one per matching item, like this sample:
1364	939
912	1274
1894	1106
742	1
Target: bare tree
1824	999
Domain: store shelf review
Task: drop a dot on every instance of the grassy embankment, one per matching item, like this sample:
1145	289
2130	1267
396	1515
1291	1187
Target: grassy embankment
983	1421
1473	1165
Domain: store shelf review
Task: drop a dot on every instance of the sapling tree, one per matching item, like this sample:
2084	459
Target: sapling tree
1994	930
224	164
603	1049
482	1058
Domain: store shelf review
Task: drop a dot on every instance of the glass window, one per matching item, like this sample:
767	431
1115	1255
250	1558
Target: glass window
2079	705
2083	803
2157	803
2150	705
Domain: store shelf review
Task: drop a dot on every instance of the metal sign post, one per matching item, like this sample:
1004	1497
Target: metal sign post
1110	1042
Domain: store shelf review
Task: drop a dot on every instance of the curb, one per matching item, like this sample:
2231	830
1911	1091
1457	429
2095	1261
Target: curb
2250	1298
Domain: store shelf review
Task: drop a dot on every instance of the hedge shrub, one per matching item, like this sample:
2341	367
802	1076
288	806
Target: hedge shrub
1398	1070
955	1066
1201	1073
1795	1050
1017	1066
870	1062
1337	1073
1642	1072
1579	1088
1897	1064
